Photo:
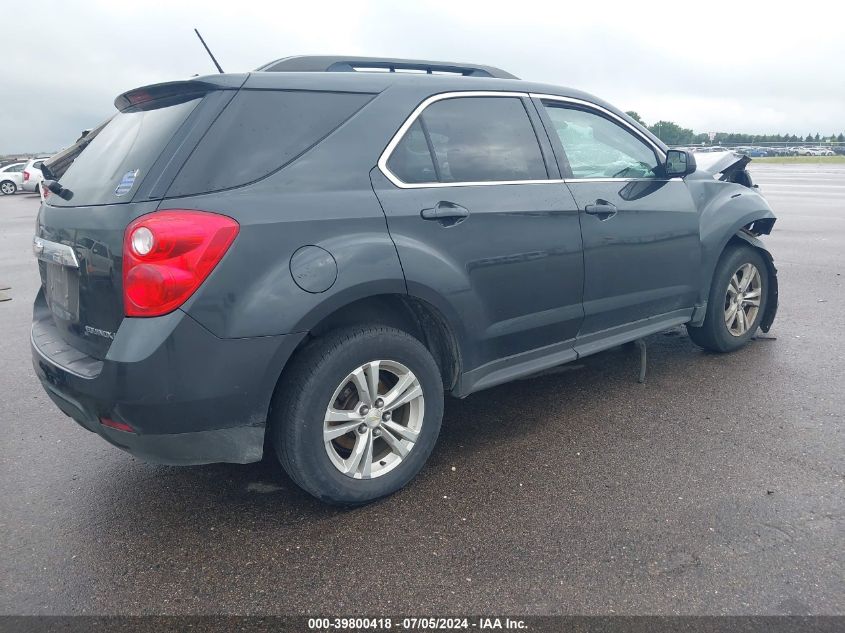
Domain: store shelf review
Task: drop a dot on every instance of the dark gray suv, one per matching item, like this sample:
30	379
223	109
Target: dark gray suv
313	254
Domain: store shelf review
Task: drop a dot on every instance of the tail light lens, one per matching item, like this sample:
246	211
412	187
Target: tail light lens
168	254
25	176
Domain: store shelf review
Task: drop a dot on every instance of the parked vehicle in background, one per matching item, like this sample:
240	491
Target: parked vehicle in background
807	151
839	150
781	151
824	151
314	254
32	175
11	177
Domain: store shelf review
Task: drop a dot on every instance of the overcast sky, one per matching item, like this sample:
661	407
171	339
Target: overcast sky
714	66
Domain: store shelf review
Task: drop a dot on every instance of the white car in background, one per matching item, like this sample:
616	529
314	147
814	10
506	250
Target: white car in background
11	178
32	175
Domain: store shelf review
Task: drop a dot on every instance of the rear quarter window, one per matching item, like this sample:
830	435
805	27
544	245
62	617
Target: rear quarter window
259	132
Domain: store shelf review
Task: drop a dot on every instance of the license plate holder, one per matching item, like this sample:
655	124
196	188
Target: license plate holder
62	286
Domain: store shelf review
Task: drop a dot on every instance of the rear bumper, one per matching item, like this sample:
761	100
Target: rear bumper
239	445
190	397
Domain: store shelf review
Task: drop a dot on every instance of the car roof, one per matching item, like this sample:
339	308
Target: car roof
380	81
350	80
377	82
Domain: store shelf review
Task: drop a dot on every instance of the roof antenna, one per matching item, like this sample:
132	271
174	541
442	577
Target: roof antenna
208	50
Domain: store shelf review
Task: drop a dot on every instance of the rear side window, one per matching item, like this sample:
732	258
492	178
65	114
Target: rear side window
259	132
110	167
471	139
411	160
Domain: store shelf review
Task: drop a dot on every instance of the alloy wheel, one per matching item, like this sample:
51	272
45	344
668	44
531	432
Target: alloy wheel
373	419
742	299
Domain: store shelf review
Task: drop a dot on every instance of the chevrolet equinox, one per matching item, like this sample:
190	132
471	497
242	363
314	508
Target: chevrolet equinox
309	256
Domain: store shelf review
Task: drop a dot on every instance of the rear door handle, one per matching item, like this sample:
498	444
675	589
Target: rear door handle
445	210
602	208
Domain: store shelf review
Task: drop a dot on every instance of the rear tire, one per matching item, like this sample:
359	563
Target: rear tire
737	301
7	187
318	430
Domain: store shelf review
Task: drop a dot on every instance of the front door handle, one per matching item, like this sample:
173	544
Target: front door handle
444	210
602	208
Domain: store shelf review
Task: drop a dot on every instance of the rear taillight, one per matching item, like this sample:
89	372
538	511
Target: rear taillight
25	176
168	254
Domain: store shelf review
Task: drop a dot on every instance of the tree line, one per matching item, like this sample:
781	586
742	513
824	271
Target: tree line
673	134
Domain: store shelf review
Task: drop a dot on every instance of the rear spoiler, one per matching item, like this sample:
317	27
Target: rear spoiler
172	92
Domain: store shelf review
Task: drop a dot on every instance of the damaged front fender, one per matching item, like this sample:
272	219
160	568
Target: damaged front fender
726	209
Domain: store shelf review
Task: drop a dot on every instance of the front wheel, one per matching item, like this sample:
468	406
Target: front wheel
357	414
7	187
737	302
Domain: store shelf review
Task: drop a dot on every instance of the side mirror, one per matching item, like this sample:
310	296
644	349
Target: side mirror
679	163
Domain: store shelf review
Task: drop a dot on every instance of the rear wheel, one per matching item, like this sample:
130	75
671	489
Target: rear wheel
737	301
357	414
7	187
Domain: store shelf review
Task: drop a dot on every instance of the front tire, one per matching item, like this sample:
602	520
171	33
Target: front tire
357	414
7	187
737	302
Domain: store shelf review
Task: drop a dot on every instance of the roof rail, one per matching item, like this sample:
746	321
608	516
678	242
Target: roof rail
332	63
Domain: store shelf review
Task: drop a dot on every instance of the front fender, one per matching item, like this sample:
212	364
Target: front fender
726	208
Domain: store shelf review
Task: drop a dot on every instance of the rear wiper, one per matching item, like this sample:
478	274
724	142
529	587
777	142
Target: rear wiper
55	187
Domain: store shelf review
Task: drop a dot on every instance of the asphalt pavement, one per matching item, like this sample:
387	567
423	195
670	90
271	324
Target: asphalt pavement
714	488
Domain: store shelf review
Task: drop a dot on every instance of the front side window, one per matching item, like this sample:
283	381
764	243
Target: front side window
598	148
470	139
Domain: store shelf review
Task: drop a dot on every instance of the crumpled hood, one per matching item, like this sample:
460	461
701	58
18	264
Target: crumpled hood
720	162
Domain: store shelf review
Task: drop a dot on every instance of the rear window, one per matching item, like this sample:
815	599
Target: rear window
259	132
110	168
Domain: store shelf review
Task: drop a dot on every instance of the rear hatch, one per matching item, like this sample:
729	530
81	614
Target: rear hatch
114	176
